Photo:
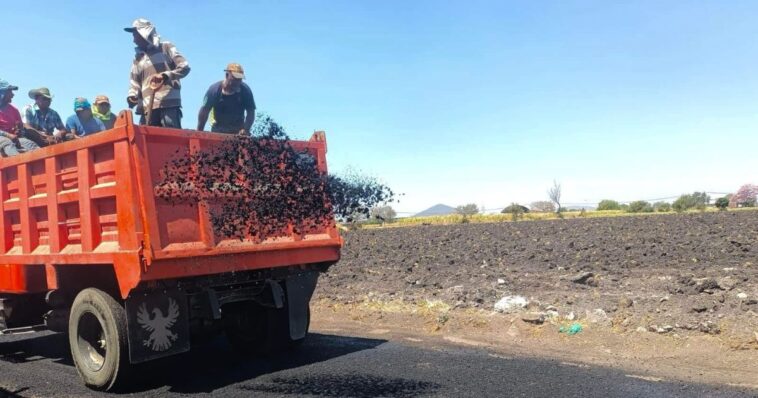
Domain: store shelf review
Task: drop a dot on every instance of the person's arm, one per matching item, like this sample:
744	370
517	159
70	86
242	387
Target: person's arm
29	127
8	134
249	110
202	117
27	116
30	131
135	85
60	129
249	120
71	127
59	125
209	101
181	66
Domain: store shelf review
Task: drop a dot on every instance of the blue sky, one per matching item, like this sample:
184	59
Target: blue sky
451	102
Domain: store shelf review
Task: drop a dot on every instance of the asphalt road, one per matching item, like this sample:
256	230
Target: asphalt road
335	366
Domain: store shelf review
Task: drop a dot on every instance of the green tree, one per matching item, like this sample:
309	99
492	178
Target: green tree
695	200
662	207
515	210
640	206
722	203
467	210
608	204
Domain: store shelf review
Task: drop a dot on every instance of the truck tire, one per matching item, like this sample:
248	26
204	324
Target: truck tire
98	339
253	329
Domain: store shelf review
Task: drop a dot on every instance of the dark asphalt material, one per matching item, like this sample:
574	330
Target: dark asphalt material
333	366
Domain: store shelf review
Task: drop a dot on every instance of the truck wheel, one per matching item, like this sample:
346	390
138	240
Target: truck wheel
98	339
252	328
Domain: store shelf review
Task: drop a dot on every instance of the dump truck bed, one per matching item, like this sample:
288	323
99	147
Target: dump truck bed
92	201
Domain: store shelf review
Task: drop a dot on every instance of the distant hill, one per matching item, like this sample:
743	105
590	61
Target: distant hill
436	210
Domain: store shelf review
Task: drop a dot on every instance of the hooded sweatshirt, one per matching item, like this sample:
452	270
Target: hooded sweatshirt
160	57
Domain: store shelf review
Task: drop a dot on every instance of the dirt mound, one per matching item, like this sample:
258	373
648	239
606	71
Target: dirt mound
682	271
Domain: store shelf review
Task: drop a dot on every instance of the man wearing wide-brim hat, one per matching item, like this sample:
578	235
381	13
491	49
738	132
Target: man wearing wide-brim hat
43	124
232	104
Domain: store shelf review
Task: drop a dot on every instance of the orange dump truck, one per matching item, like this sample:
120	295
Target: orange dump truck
88	248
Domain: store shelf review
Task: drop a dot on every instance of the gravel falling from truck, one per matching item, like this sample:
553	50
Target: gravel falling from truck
258	187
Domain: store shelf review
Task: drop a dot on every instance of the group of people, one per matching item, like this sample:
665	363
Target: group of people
39	125
154	90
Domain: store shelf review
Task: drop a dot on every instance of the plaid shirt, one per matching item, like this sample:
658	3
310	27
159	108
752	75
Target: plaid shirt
161	59
47	123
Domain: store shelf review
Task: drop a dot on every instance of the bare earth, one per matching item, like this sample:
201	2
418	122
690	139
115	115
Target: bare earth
663	296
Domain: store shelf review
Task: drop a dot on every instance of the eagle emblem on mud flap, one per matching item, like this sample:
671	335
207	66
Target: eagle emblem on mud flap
159	326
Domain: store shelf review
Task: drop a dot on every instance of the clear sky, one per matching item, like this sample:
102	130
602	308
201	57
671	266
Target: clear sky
449	102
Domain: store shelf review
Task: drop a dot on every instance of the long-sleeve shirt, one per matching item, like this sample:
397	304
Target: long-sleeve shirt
164	59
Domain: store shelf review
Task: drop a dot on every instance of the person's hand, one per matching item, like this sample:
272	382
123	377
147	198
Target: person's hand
156	81
51	139
132	100
243	133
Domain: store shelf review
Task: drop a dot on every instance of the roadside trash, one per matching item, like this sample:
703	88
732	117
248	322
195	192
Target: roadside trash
509	304
571	330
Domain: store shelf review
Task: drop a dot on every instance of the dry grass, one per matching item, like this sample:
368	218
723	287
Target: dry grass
485	218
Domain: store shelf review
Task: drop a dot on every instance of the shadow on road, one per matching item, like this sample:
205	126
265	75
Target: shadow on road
4	393
213	366
29	348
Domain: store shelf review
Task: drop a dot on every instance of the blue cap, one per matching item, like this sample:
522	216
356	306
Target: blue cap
4	86
81	104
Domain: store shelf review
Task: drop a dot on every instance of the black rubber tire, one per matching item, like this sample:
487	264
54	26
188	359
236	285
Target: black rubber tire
253	329
98	339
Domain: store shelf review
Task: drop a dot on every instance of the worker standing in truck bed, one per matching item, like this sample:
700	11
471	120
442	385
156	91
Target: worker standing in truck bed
232	104
156	70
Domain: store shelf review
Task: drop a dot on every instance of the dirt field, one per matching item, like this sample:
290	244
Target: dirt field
683	275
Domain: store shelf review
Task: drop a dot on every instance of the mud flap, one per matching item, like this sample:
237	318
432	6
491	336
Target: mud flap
299	291
158	325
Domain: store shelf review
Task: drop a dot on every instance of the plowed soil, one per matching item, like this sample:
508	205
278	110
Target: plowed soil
689	273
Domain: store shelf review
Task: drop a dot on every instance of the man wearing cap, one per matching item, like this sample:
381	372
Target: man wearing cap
231	102
102	111
11	125
83	123
156	70
41	120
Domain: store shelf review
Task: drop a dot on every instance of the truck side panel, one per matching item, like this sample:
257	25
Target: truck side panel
60	205
91	202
